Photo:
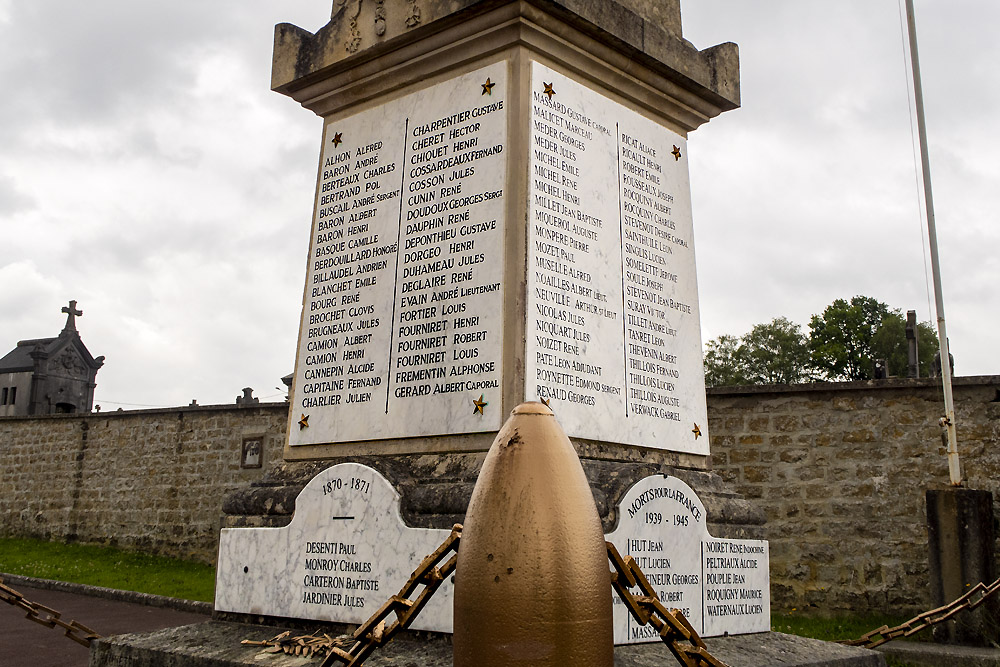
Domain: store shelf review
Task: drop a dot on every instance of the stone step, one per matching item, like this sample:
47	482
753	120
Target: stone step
217	644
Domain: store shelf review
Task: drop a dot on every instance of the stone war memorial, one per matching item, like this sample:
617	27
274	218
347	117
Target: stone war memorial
502	224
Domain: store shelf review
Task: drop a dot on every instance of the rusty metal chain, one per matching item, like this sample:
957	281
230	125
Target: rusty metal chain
977	595
46	616
646	607
374	632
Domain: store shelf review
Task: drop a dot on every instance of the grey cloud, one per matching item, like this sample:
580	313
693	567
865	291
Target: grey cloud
13	199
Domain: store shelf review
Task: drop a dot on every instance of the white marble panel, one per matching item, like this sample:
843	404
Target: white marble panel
736	593
614	338
345	552
722	586
401	330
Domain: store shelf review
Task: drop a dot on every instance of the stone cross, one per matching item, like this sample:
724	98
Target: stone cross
71	314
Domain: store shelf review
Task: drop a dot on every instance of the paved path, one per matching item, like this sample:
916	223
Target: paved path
27	644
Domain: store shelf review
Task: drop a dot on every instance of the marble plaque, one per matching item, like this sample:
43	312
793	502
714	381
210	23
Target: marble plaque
401	330
722	586
345	552
614	338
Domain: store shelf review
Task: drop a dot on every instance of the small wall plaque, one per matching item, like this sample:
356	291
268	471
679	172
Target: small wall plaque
253	452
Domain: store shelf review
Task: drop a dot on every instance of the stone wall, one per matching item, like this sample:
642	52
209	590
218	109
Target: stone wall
841	471
150	480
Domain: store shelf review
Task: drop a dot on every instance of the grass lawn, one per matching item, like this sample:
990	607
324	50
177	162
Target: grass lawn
108	567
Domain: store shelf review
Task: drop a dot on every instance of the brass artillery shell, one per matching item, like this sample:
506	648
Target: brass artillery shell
532	584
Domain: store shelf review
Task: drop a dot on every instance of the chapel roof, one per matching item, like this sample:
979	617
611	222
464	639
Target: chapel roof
19	359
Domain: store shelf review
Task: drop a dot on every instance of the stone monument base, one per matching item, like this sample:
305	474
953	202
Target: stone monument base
436	488
217	644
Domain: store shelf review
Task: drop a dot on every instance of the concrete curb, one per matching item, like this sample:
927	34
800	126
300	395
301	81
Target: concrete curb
148	599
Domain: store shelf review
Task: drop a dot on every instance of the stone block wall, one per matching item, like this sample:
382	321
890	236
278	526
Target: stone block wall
150	480
841	470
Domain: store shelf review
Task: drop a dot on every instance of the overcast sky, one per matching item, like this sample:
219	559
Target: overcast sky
147	171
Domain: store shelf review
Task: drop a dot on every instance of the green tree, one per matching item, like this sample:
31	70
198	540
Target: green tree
849	335
775	352
724	364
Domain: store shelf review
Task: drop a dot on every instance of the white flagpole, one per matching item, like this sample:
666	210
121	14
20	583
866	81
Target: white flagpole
954	467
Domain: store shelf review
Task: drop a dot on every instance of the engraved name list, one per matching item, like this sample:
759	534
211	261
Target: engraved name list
614	337
400	327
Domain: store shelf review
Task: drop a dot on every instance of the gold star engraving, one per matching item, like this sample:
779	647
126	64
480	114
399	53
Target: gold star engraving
338	139
697	431
480	405
676	153
548	89
488	87
304	422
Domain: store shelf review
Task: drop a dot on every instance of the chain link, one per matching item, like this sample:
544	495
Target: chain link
47	616
645	607
977	595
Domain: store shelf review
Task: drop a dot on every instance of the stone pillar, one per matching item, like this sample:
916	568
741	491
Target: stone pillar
526	98
912	355
960	533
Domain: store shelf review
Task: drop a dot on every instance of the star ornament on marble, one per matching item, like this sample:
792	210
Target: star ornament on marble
488	87
697	431
338	138
480	405
304	422
676	153
548	89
